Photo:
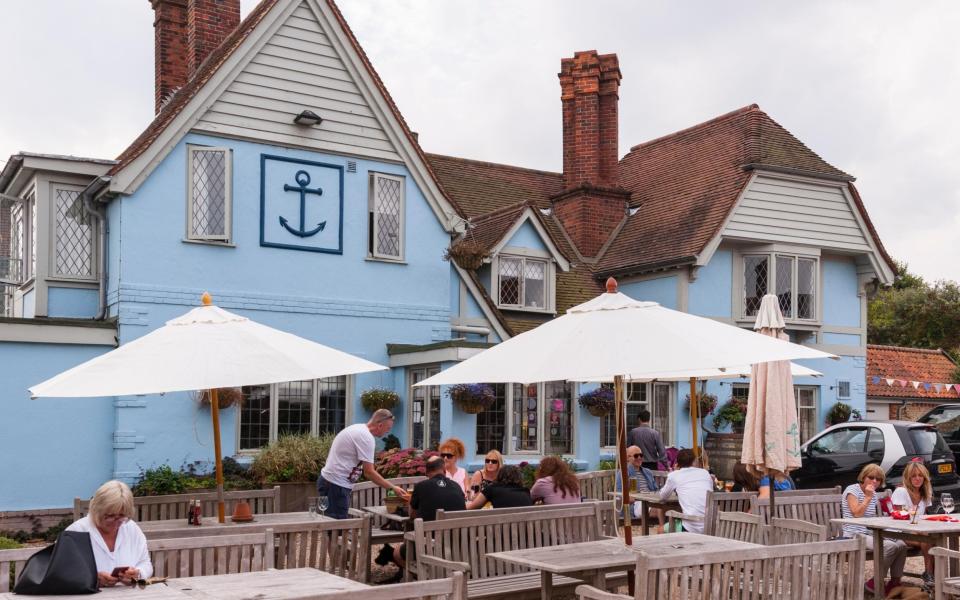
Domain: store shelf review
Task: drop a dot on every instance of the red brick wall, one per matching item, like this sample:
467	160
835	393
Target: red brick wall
912	411
589	217
209	22
170	48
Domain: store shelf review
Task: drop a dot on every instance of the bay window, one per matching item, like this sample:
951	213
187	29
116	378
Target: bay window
791	278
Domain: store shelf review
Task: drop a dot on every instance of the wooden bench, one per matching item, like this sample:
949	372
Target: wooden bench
11	565
368	493
451	588
213	555
792	531
717	502
174	506
818	509
462	544
608	523
340	547
817	571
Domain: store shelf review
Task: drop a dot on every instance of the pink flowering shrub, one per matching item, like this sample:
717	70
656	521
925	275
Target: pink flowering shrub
402	462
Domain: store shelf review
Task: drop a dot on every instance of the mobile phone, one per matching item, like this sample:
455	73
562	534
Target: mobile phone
118	571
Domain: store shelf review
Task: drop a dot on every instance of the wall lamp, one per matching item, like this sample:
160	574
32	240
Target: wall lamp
308	118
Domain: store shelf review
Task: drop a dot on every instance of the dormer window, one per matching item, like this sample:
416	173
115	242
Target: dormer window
792	278
524	283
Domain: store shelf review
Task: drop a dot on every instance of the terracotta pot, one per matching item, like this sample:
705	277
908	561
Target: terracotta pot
242	512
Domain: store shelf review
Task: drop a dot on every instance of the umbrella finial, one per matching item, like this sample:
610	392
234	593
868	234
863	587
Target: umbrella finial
206	299
611	285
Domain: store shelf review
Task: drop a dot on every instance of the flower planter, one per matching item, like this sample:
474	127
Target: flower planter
597	411
472	409
294	494
393	503
472	398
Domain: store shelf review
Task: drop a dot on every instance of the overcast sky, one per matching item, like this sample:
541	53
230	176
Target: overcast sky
871	86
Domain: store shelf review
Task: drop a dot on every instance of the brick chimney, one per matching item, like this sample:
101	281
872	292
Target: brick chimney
186	32
170	48
209	22
592	204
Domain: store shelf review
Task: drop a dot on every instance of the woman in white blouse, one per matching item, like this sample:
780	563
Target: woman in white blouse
916	493
117	541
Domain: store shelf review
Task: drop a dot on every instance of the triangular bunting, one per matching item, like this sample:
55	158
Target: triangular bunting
927	386
938	387
890	381
915	384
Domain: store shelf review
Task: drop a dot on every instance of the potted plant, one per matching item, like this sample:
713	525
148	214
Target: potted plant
467	253
392	501
293	462
377	398
226	397
734	413
706	404
598	402
841	412
472	398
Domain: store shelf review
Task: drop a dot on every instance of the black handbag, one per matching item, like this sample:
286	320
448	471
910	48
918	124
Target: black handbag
66	567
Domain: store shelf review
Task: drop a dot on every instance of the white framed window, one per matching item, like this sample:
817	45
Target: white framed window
209	193
75	250
424	409
524	283
386	217
792	278
843	389
314	406
23	238
528	419
806	397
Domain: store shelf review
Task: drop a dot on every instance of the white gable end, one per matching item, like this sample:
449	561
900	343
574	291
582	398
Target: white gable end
298	68
798	212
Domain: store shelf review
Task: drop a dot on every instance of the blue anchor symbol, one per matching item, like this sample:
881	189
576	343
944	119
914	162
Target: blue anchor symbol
303	179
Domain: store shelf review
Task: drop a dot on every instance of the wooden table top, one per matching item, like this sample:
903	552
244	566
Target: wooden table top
117	592
922	526
263	585
614	554
651	497
179	528
381	511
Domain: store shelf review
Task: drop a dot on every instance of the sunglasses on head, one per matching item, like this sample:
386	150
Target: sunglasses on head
491	461
446	455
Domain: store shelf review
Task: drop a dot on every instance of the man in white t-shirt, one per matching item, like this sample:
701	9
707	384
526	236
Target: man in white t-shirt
691	484
351	455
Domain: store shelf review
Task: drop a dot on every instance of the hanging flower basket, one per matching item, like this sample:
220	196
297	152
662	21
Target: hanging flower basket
467	253
377	398
733	413
598	402
472	398
226	397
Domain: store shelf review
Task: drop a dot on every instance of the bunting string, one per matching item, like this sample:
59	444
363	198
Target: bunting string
938	387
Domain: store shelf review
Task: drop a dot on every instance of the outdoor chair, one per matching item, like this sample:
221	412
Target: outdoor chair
740	526
794	531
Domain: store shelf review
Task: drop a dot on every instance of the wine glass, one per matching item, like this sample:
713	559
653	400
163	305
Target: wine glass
323	503
946	501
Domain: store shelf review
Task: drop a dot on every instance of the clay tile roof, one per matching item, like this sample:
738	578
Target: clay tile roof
489	229
686	183
910	364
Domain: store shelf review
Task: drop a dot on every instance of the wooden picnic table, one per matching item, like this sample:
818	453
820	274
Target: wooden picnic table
171	528
591	561
647	501
118	592
264	585
381	511
938	533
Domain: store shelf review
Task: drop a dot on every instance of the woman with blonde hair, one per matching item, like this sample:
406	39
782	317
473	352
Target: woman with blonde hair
916	494
555	482
453	450
119	546
860	500
488	474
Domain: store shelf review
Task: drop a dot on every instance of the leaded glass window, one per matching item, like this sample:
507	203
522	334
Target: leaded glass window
492	423
755	277
296	407
209	193
793	279
75	236
784	288
523	282
386	216
806	288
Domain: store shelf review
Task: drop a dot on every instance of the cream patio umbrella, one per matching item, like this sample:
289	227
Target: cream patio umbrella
771	435
205	349
616	337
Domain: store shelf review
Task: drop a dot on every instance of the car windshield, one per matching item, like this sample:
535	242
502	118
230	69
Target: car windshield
941	416
927	441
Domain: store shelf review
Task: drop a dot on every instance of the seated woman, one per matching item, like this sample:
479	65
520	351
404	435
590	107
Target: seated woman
507	491
745	481
487	475
117	541
916	492
556	483
453	450
781	483
860	500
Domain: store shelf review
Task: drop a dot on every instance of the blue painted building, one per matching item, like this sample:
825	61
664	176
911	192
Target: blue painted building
279	176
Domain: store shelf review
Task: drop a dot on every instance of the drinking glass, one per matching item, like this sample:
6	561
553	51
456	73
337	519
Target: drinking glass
946	501
323	503
312	507
728	486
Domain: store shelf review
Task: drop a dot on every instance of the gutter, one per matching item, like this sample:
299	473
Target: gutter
97	210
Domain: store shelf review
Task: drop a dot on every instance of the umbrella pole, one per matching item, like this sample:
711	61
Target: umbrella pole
215	414
622	458
694	415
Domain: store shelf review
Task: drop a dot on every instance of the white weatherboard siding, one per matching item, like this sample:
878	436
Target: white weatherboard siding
796	212
299	68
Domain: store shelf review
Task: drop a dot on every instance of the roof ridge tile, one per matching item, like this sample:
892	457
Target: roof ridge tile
733	113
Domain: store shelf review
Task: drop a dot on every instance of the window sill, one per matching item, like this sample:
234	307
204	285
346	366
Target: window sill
524	309
209	243
390	261
790	324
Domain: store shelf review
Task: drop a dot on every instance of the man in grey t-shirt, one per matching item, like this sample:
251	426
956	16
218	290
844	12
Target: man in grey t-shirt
351	455
649	441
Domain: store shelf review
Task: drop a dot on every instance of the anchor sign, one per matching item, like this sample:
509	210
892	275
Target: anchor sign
303	179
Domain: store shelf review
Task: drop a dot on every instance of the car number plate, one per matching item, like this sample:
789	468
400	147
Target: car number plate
944	468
